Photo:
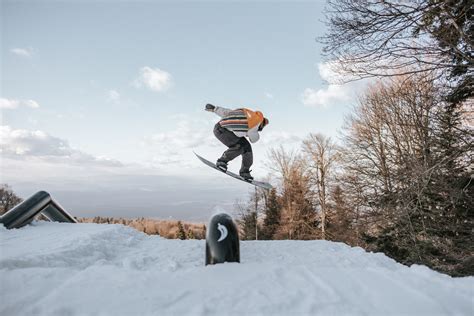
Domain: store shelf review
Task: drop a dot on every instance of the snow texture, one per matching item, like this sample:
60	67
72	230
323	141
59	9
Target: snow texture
92	269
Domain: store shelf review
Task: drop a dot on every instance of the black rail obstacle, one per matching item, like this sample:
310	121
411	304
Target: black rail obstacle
40	202
222	240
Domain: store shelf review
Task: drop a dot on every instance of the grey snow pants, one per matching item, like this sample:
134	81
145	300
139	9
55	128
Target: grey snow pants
237	146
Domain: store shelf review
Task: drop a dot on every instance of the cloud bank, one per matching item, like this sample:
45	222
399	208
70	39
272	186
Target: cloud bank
14	104
23	52
174	146
21	144
88	185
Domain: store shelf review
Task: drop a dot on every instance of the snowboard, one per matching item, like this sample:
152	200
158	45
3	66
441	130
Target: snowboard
260	184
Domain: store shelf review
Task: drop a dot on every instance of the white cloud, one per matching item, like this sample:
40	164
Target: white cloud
28	144
174	147
279	138
332	95
184	136
335	92
153	78
23	52
328	72
113	96
13	104
269	95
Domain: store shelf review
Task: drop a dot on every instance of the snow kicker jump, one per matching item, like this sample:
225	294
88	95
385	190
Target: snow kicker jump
222	240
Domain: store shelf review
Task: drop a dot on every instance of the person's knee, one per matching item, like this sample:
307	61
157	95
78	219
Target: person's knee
246	147
236	146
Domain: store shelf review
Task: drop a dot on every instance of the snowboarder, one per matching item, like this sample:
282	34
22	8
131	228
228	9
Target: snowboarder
232	129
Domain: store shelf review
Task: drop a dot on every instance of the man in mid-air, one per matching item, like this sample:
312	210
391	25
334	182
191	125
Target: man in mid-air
232	129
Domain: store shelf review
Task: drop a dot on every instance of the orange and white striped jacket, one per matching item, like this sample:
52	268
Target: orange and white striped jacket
242	122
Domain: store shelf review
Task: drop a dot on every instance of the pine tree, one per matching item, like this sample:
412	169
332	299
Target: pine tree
339	227
272	215
181	233
247	222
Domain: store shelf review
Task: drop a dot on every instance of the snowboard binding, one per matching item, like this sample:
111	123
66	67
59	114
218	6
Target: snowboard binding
246	175
222	165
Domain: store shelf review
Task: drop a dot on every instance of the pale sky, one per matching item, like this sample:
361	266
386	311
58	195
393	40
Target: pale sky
102	101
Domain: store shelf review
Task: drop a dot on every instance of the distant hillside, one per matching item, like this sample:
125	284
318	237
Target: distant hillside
165	228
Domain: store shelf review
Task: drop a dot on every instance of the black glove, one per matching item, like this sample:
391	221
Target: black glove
210	107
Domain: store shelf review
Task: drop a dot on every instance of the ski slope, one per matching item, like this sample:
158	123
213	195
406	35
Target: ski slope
92	269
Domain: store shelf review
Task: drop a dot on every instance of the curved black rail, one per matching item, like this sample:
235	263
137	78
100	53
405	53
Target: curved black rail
222	240
40	202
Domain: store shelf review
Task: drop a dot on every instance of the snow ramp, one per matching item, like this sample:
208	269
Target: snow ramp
90	269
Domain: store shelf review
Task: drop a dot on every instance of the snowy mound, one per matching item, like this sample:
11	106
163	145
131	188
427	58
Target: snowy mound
90	269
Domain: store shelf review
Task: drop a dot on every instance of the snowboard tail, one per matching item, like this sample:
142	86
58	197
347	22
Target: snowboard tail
260	184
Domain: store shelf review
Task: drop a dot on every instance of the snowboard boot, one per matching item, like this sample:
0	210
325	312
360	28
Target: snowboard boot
221	164
246	174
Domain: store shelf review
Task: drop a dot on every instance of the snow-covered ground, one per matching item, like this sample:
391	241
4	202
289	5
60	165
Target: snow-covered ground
90	269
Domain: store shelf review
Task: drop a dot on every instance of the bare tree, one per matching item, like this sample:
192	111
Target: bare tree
367	38
413	193
322	154
298	217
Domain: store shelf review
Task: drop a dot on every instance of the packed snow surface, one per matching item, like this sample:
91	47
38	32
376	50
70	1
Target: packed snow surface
91	269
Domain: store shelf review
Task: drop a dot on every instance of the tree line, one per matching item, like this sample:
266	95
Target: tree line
172	229
399	179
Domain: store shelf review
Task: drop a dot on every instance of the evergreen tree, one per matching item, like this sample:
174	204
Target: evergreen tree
340	218
181	233
248	222
272	215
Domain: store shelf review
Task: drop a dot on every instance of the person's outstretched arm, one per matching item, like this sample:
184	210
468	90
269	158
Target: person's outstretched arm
217	109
